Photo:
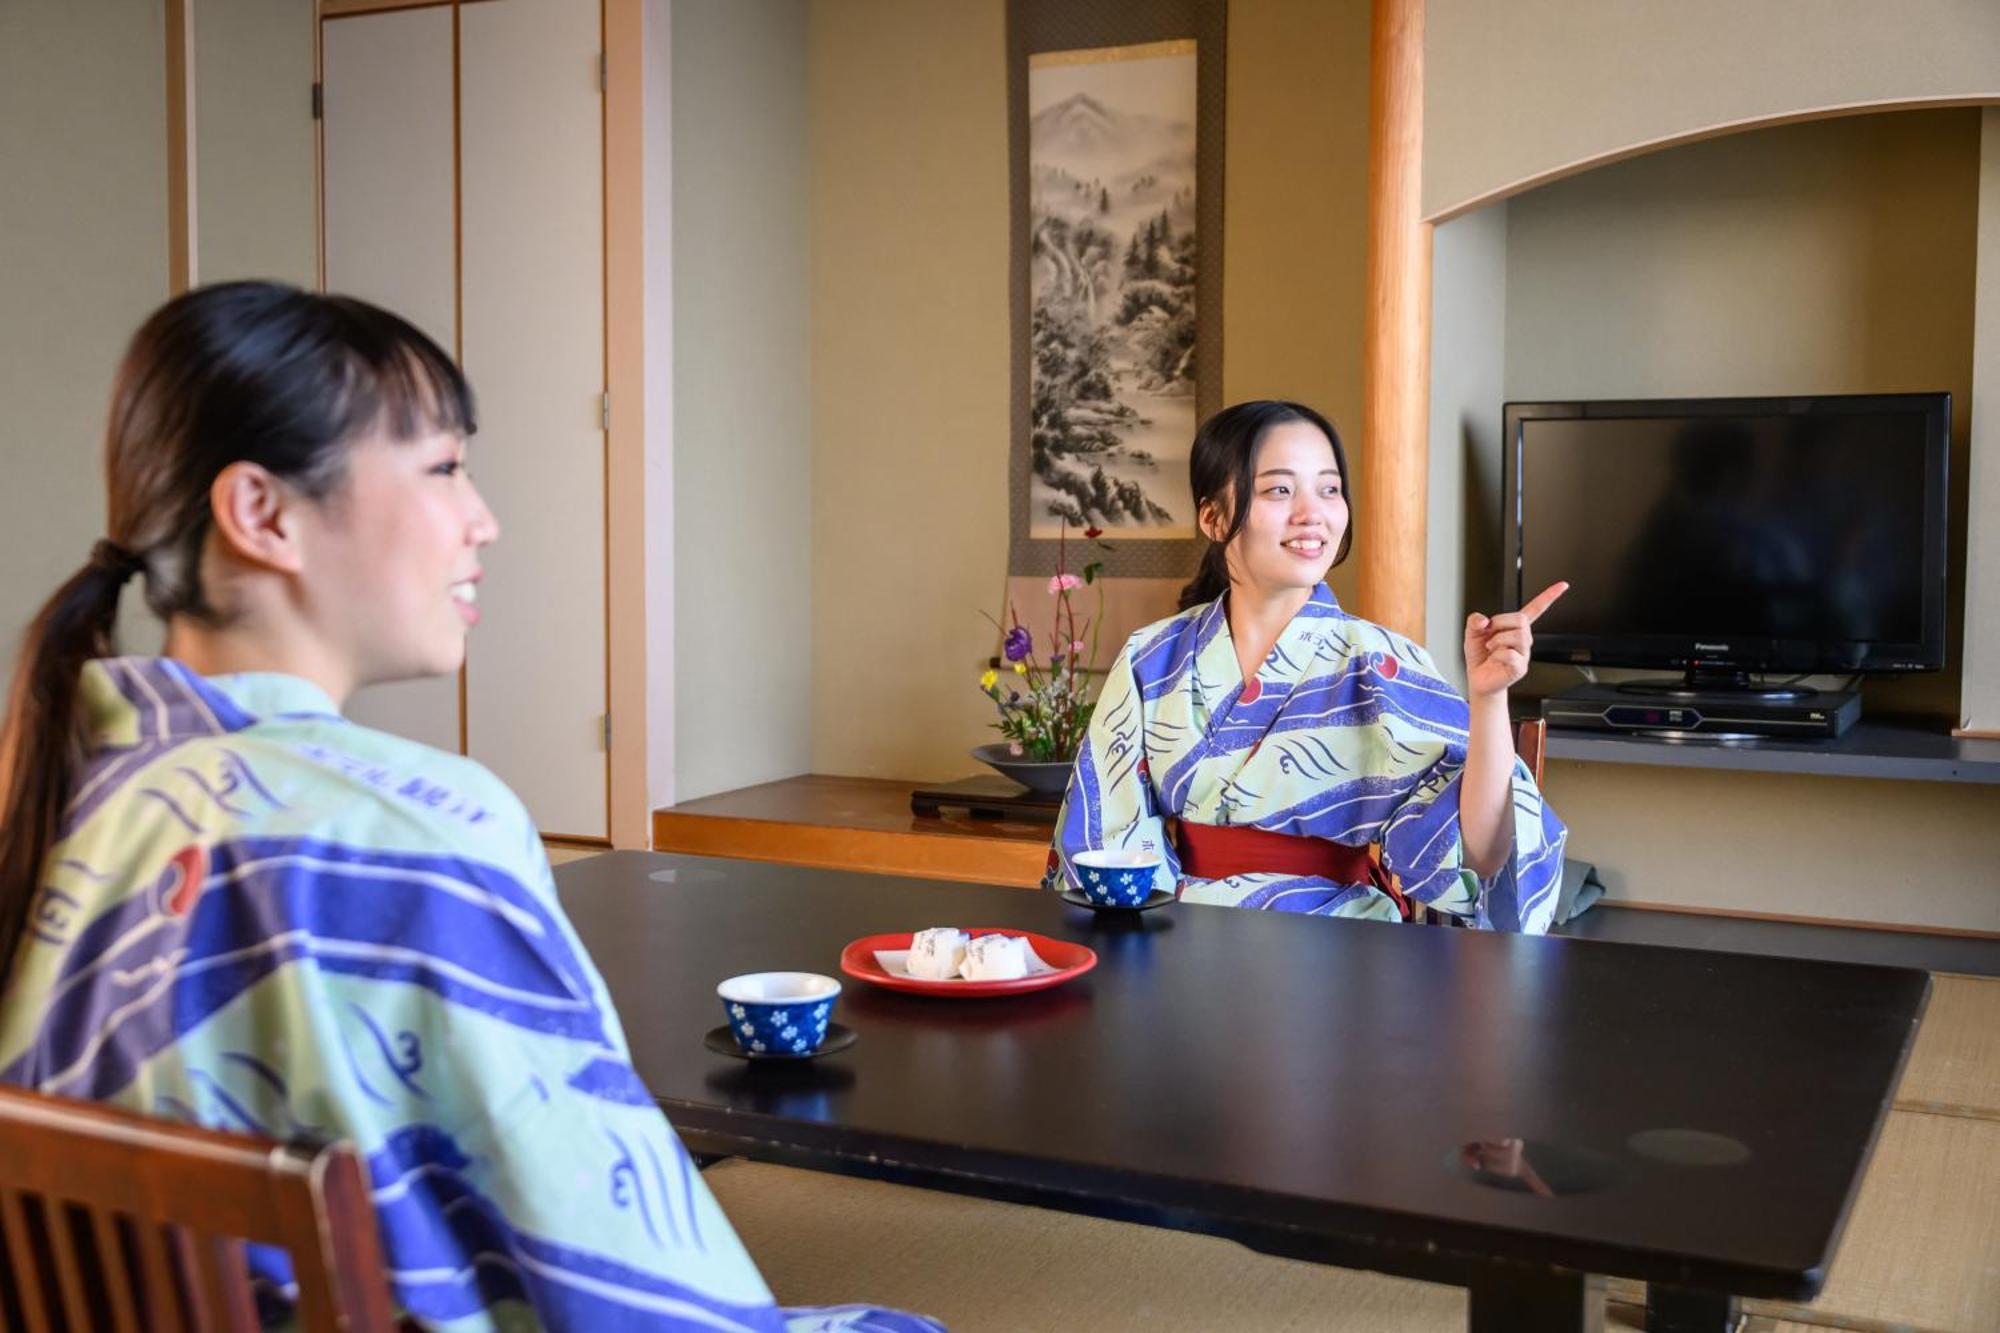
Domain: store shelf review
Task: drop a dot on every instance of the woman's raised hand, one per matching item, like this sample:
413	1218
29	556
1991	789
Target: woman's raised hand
1497	647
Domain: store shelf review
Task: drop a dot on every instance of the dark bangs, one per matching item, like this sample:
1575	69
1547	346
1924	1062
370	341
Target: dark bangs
394	376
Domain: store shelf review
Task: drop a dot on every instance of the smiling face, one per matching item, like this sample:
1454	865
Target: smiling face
390	582
1297	514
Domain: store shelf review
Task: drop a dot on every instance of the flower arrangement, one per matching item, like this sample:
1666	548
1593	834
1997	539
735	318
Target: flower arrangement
1045	708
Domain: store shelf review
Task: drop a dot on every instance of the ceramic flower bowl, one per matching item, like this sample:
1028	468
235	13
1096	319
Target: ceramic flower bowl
1044	779
778	1012
1115	879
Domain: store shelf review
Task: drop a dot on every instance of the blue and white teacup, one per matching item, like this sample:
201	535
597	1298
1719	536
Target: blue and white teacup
1115	878
779	1013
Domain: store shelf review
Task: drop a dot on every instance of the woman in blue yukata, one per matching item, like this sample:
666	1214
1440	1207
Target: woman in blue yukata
225	904
1284	738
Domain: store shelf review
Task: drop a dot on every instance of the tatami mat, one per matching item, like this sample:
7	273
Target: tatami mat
1955	1067
985	1267
1922	1250
1762	1324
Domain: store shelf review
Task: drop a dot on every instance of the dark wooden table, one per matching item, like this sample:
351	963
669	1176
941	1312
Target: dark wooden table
1302	1085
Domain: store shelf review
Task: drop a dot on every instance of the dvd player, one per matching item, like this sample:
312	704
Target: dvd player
1806	715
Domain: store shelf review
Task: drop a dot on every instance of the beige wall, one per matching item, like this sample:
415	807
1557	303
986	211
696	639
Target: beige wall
910	351
909	379
1468	365
1295	212
1980	699
1518	90
254	173
1829	257
1908	853
83	259
743	467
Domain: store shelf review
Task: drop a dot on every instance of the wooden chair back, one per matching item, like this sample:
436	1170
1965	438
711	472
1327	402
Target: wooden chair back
110	1220
1531	738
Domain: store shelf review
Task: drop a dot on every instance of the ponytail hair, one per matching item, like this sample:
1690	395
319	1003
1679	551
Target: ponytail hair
236	372
74	627
1222	472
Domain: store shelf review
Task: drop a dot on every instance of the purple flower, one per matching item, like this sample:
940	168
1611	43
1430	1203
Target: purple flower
1018	643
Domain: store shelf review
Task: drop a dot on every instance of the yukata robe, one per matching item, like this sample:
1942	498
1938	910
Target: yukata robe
263	918
1347	732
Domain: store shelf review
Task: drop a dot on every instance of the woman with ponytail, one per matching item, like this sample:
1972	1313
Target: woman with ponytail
1308	760
225	904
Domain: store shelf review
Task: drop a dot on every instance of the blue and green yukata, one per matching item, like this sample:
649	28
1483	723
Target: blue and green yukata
1347	732
263	918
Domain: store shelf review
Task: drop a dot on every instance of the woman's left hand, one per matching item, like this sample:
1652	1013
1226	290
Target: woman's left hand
1497	647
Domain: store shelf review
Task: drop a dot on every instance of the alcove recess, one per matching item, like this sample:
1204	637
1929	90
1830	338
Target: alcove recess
1834	254
1838	255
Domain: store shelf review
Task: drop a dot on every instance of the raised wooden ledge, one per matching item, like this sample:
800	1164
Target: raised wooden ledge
839	823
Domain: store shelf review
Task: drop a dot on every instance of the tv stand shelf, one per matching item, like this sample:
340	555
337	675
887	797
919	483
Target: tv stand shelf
1900	749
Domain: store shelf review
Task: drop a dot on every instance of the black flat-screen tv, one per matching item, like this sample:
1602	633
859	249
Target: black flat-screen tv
1726	536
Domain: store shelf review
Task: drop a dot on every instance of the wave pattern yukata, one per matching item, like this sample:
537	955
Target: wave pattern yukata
263	918
1347	733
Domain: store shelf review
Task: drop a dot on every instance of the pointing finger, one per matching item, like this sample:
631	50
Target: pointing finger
1545	599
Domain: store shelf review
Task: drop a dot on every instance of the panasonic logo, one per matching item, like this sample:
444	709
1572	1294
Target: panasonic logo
1712	647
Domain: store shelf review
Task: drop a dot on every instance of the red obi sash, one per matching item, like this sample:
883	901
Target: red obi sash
1217	851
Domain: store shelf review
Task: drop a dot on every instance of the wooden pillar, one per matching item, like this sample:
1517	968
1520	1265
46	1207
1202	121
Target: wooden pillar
1394	472
625	261
180	147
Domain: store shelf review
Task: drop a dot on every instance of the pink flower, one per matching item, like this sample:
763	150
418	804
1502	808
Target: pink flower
1014	747
1076	645
1064	582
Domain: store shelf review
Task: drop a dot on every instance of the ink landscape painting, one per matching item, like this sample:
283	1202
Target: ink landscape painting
1111	168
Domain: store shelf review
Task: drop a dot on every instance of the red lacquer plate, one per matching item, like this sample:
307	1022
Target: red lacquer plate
857	960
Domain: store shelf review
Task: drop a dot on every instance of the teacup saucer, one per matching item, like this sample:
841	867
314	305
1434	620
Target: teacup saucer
1158	898
719	1039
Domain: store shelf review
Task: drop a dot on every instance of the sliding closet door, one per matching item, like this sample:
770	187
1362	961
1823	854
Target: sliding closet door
531	162
255	192
389	235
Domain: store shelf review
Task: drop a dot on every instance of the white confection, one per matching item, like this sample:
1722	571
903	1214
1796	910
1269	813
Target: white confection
935	955
995	958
